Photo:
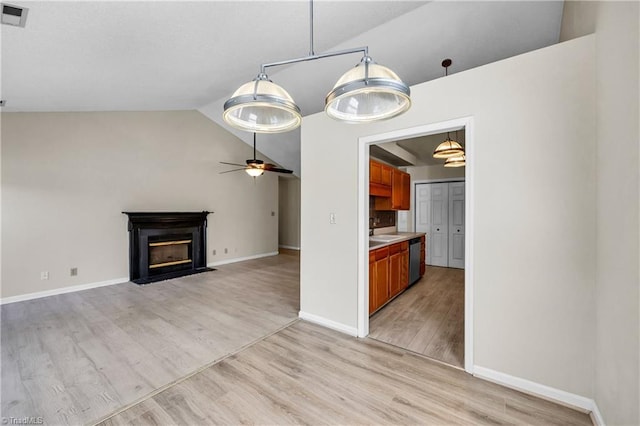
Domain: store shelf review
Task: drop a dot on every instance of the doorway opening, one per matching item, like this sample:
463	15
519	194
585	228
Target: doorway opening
434	316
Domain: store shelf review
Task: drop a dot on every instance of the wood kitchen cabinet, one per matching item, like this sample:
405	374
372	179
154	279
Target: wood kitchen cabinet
379	179
398	268
388	274
405	191
400	198
379	286
372	281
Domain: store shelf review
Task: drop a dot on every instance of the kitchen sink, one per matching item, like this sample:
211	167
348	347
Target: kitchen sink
385	238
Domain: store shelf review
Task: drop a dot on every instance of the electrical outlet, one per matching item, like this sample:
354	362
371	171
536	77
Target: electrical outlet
73	272
214	252
44	275
332	218
273	213
226	251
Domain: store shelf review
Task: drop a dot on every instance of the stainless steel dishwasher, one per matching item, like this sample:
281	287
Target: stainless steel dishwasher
414	260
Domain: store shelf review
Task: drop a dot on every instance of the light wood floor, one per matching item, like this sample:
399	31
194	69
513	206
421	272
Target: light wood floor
78	357
306	374
428	318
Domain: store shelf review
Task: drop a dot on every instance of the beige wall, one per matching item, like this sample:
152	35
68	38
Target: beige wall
617	372
289	206
66	178
435	172
618	277
535	232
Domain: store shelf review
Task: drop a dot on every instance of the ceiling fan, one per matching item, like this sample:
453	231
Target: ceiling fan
254	166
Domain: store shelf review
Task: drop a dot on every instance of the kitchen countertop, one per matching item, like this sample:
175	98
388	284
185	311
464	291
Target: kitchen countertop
373	245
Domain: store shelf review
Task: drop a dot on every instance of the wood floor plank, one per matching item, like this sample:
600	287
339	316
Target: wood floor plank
306	374
78	357
428	318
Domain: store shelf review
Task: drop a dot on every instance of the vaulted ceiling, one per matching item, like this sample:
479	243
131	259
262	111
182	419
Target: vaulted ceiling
175	55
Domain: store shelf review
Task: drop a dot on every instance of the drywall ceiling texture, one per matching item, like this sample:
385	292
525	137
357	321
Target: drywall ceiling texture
412	44
66	178
534	240
173	55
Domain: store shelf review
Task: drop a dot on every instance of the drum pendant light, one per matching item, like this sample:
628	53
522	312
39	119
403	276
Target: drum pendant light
447	149
262	106
458	161
368	92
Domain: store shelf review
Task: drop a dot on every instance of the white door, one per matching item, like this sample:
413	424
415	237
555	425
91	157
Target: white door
438	243
423	213
456	225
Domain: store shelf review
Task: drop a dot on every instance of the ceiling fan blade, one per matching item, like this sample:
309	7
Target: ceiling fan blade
273	168
233	164
234	170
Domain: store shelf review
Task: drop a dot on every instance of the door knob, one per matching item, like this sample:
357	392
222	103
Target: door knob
458	230
438	229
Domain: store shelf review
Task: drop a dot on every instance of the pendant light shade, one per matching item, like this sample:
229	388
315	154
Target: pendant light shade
458	161
448	149
262	106
368	92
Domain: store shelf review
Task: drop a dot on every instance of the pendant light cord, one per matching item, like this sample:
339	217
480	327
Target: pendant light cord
311	51
254	146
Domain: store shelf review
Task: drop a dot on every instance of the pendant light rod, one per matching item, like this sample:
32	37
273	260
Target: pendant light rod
312	54
364	50
254	145
263	106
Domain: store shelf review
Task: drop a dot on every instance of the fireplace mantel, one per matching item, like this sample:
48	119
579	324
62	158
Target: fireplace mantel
148	230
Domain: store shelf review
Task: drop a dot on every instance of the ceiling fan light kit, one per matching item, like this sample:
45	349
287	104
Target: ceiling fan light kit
254	171
255	167
369	92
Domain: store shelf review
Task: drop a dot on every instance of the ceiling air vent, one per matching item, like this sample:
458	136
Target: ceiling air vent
14	15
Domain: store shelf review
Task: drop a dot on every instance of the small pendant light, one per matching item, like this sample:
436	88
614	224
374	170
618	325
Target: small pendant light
458	161
448	148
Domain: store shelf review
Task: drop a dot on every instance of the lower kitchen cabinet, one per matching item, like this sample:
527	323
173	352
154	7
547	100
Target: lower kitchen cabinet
388	274
379	285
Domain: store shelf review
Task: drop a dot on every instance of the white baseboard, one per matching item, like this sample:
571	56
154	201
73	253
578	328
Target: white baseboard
596	416
62	290
546	392
289	247
71	289
351	331
241	259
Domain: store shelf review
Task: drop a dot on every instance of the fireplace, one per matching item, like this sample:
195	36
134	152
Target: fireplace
166	245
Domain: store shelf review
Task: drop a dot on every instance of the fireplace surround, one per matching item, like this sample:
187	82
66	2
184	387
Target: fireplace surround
164	245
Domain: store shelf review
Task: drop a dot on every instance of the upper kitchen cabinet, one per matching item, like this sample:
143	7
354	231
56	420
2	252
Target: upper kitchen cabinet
400	194
380	179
